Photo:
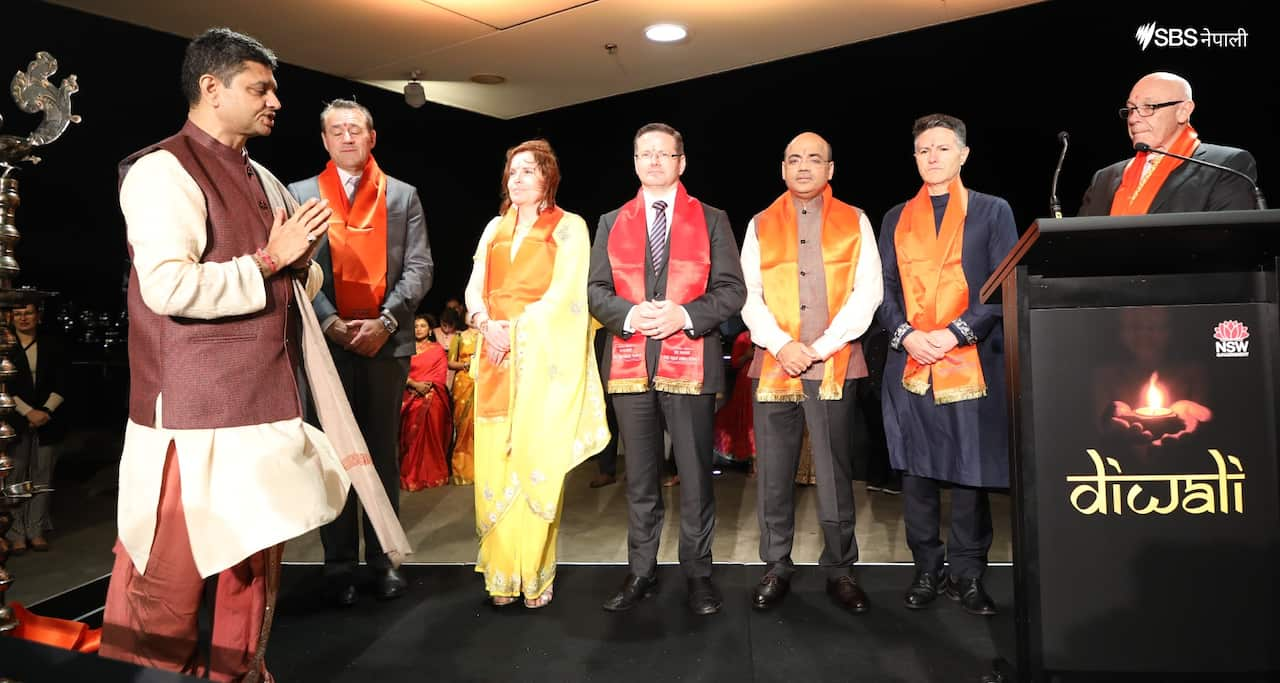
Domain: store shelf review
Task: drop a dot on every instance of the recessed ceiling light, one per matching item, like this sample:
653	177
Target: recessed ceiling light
665	33
488	79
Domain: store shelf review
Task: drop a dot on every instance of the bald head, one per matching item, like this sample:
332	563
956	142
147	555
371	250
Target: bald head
1171	93
1166	82
807	166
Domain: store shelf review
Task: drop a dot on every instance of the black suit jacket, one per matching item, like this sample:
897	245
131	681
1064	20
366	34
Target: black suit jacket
725	294
53	364
1190	187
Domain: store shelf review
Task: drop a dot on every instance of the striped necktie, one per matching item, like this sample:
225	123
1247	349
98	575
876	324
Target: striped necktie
658	234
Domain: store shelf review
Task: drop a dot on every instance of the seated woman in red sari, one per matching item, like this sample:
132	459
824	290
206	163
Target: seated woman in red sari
426	416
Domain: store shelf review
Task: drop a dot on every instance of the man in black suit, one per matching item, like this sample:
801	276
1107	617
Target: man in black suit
377	267
1158	113
664	275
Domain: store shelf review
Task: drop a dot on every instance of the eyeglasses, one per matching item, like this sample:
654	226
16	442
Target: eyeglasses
648	157
1146	109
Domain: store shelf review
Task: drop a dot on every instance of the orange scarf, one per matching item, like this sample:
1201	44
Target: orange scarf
358	241
680	361
935	292
1134	197
510	286
777	232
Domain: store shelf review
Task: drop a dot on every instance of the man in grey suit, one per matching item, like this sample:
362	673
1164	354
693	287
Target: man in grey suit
1158	113
664	275
377	267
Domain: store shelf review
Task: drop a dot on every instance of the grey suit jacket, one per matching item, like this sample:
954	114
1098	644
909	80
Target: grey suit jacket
725	295
409	264
1190	187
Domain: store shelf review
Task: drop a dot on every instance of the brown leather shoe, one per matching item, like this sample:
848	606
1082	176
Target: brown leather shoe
846	592
39	544
602	479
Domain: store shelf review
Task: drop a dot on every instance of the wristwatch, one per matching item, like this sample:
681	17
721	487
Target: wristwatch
389	322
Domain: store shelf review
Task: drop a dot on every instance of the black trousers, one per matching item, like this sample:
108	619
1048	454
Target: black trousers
374	387
969	540
689	420
779	431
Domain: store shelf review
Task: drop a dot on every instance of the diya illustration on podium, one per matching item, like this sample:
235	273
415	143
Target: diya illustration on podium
1157	420
33	93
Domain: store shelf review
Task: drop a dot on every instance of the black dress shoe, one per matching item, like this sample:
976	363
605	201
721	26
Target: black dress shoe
704	599
770	591
391	584
924	589
634	589
971	596
846	592
343	594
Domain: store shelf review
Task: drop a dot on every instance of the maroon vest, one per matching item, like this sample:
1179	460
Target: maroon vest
227	372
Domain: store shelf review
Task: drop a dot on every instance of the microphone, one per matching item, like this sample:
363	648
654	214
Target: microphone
1055	206
1259	200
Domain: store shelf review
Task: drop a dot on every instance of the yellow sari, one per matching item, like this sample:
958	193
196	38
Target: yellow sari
461	349
555	419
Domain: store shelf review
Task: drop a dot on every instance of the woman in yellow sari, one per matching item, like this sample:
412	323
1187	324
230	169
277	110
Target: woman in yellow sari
461	348
539	409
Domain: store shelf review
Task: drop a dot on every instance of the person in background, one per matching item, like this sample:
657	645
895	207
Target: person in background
426	417
38	393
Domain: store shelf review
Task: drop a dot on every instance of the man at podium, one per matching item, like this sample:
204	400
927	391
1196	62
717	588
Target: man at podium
1158	115
944	396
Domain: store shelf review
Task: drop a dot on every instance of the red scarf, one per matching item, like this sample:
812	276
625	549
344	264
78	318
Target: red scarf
936	292
358	241
1134	197
680	361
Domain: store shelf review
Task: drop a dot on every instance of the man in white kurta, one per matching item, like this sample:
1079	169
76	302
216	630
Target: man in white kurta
218	468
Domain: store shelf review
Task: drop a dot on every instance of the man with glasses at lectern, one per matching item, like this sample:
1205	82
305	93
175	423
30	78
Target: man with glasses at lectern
1158	115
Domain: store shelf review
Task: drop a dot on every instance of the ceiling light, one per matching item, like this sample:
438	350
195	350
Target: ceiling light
414	94
488	79
665	33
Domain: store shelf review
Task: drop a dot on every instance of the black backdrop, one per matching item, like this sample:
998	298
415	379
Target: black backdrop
1016	78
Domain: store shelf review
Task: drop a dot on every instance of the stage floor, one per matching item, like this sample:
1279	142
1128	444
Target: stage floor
444	629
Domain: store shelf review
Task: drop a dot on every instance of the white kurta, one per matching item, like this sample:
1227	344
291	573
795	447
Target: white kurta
243	488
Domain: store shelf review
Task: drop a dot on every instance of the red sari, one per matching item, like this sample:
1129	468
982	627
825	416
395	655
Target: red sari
735	438
426	423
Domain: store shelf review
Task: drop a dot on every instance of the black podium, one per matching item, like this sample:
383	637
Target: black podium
1143	356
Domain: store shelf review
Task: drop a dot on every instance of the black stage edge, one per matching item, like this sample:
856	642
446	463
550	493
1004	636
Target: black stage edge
443	629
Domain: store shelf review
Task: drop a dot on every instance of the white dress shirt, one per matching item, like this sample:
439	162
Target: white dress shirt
849	323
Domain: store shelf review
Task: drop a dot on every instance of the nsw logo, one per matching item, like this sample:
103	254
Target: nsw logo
1232	339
